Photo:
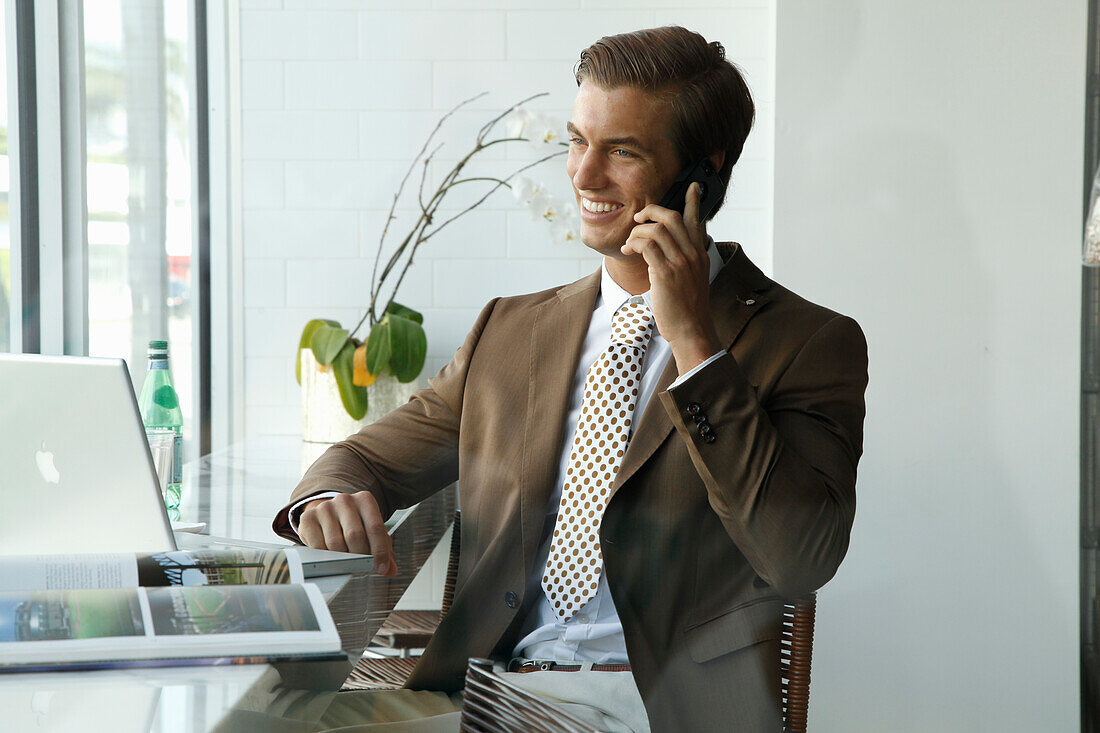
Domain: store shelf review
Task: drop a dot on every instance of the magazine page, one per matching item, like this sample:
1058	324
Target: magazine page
73	626
234	566
45	572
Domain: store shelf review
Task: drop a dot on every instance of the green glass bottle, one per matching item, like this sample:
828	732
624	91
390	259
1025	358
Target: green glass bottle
160	410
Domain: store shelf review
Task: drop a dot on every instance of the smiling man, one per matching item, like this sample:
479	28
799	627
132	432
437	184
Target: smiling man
651	458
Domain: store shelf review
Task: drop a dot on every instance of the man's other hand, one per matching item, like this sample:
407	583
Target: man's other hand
349	523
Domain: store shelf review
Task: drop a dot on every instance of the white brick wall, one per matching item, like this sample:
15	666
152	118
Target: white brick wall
338	95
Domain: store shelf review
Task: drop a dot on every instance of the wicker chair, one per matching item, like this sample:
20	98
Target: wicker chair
493	705
405	630
796	655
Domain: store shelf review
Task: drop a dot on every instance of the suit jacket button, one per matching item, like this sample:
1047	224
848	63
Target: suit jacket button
699	419
511	599
709	438
693	408
705	429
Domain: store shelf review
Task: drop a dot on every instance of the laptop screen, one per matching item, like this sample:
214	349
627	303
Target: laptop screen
78	476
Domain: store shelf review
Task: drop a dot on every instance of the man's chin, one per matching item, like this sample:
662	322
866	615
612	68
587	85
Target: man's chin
602	242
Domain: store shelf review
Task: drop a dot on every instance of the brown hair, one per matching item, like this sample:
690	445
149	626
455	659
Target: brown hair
710	102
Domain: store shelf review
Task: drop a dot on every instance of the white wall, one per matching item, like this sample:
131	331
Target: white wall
928	183
336	98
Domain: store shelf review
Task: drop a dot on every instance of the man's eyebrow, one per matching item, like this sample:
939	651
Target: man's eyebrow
629	141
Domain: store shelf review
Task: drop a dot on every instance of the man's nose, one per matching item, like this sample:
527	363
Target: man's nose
590	174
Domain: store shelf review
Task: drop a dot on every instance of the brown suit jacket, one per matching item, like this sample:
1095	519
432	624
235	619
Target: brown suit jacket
701	541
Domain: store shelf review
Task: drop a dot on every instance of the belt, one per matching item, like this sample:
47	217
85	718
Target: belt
546	665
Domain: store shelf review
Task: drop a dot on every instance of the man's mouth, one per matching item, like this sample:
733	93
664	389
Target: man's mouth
599	207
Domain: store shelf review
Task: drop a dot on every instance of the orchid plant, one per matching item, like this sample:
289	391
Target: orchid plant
395	342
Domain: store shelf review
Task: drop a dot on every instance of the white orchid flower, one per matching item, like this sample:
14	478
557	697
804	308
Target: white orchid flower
541	130
541	209
522	188
550	209
517	121
542	204
528	191
563	231
545	130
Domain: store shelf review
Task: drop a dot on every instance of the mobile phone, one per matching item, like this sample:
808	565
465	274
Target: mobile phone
712	189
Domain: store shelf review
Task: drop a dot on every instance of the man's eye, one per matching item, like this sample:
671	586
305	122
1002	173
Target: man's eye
575	141
619	152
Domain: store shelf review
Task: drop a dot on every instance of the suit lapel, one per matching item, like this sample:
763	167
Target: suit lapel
557	336
737	293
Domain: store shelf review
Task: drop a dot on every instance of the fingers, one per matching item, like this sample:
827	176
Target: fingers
349	523
309	525
655	218
686	234
381	545
655	243
691	207
672	218
660	246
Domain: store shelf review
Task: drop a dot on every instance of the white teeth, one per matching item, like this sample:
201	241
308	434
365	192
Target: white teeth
598	207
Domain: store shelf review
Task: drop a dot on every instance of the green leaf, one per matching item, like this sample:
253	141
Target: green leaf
399	310
303	342
409	345
354	398
327	342
378	346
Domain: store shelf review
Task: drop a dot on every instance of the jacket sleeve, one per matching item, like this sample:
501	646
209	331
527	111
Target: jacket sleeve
781	475
405	456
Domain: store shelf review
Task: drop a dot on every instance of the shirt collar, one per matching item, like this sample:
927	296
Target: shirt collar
611	294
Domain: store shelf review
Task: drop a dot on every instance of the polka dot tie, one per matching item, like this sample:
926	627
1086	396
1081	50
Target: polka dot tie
610	393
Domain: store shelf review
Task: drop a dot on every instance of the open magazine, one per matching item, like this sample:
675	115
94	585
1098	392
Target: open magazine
195	606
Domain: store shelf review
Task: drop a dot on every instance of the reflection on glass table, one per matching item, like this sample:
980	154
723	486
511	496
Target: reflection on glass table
236	492
124	701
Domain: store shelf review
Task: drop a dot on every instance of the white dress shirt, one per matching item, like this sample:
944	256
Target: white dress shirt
594	634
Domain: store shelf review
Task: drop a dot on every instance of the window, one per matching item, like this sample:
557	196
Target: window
139	185
105	165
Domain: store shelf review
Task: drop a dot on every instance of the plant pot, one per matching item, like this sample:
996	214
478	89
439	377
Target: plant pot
324	419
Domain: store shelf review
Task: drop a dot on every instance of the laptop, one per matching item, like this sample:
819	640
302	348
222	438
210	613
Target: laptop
76	474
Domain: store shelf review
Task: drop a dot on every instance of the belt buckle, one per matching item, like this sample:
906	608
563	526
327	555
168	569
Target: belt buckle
533	665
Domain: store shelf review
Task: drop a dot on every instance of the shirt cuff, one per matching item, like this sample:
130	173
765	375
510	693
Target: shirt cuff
296	510
684	377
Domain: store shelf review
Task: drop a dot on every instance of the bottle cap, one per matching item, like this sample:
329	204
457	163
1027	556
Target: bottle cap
158	349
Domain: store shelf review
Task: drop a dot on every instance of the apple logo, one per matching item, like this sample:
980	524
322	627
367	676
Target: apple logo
46	467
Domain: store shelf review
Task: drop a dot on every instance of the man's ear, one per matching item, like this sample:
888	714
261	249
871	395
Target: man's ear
718	159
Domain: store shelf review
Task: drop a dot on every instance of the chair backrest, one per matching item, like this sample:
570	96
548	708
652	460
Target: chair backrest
796	655
452	565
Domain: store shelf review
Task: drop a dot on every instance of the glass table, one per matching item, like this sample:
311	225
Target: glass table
235	492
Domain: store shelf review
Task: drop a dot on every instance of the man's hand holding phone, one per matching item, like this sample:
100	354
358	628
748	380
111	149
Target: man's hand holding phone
349	523
674	248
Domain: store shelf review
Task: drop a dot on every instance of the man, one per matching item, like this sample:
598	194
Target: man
650	459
